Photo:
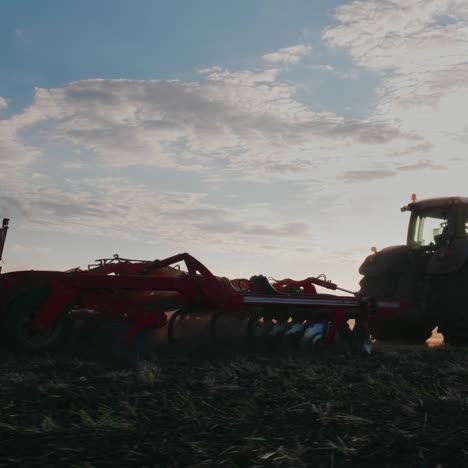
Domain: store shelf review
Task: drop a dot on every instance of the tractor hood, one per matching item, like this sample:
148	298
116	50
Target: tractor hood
388	258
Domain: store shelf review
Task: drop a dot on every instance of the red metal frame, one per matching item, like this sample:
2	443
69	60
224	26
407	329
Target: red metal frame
142	292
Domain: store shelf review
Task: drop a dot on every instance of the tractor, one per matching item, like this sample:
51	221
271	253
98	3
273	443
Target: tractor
430	273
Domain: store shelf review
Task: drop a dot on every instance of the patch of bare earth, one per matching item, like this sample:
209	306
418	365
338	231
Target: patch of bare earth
398	407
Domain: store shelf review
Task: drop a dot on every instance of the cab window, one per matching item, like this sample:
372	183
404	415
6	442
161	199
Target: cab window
434	227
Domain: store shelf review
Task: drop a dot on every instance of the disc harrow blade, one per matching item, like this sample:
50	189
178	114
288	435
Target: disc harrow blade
288	335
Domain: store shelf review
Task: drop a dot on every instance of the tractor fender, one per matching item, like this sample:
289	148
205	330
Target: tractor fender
449	258
389	258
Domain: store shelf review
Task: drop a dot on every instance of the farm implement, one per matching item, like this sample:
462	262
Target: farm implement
126	300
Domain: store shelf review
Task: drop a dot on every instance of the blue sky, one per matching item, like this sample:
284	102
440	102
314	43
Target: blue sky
51	43
263	137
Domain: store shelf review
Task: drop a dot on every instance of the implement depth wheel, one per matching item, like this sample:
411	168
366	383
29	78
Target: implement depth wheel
179	314
16	322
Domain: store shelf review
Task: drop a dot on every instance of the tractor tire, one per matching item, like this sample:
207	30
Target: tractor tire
20	312
405	330
449	306
455	331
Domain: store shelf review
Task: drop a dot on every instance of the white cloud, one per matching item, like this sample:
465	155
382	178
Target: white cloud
123	209
288	55
230	128
322	67
14	153
31	250
419	49
364	175
244	77
242	121
385	36
233	125
3	103
423	164
343	73
418	52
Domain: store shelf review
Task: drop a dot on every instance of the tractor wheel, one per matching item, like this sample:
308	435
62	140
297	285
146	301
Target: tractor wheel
449	303
455	331
18	316
407	330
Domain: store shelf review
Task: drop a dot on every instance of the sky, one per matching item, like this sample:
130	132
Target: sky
261	136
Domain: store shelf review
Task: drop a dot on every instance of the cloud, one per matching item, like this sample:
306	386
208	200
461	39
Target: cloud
419	51
366	175
288	55
322	67
417	149
243	77
3	103
384	36
15	154
423	164
242	121
118	208
232	126
344	73
28	249
186	164
262	230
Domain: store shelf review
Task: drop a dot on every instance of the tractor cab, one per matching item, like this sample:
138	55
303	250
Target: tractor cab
436	222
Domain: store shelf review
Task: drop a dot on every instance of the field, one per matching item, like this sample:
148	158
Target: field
400	406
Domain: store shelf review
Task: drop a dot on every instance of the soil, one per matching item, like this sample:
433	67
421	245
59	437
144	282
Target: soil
400	406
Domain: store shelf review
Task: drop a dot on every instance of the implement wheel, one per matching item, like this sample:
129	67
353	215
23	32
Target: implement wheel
18	316
179	314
